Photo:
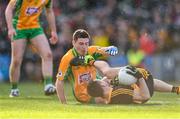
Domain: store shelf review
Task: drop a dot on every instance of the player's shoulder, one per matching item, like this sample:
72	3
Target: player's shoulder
93	49
68	56
48	3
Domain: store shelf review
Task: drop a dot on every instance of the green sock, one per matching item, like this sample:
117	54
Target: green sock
14	85
48	80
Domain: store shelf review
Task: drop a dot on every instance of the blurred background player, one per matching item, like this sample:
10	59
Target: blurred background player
114	93
25	27
79	76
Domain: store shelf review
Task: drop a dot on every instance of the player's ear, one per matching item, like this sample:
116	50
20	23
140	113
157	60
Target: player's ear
73	42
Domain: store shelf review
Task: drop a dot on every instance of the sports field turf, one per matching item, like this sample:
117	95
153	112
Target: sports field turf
33	104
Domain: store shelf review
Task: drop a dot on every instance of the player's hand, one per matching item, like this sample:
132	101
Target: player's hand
76	61
82	60
112	50
54	38
11	33
134	72
89	60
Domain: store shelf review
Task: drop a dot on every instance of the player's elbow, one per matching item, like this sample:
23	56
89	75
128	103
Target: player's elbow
108	73
105	72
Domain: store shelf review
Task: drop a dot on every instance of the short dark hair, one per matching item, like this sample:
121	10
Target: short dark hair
80	33
94	89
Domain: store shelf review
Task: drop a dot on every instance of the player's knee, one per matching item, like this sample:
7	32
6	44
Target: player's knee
146	97
48	56
16	62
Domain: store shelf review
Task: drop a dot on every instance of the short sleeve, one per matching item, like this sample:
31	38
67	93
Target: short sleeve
49	4
97	52
63	66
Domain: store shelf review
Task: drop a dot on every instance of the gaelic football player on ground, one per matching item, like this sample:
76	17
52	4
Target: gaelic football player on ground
109	91
79	76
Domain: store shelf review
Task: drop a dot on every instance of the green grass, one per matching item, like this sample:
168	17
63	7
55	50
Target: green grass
33	104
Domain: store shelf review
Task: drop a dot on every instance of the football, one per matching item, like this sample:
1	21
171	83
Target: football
125	78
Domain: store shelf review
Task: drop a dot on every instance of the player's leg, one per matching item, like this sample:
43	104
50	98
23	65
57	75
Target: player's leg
17	51
40	42
141	93
162	86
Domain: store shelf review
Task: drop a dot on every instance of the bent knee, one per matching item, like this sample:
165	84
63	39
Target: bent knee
47	56
16	62
145	97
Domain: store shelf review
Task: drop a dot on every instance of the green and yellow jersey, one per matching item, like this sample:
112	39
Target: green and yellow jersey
79	75
27	13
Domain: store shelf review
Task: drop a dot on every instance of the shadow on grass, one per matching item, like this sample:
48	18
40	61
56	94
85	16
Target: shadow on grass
28	98
107	105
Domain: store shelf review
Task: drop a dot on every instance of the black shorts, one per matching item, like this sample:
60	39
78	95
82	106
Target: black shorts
150	84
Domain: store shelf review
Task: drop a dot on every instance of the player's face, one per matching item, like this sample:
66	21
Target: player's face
106	87
104	84
81	45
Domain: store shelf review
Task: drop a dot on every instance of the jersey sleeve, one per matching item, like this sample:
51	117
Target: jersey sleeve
49	4
13	2
97	52
63	68
122	95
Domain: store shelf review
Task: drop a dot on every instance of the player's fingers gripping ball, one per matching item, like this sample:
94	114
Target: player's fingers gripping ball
76	61
130	67
134	71
112	50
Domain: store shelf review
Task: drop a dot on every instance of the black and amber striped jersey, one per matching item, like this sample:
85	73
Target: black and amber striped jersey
121	95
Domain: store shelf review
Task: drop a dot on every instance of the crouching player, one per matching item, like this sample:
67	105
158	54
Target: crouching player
109	91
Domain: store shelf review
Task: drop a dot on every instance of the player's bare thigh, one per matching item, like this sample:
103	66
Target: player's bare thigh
18	48
41	44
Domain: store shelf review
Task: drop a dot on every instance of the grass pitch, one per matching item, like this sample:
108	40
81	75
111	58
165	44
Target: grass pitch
32	104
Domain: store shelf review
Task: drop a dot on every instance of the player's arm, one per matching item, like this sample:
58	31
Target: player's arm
64	64
102	66
60	91
141	93
97	51
110	50
9	15
51	20
106	70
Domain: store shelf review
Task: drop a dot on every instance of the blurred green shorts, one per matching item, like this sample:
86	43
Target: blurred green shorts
28	33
